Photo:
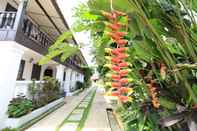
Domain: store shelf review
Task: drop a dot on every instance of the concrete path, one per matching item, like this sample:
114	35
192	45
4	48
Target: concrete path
97	119
50	122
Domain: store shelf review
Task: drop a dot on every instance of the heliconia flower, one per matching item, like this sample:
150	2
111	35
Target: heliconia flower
124	72
108	57
130	91
115	52
153	93
125	99
116	77
114	36
115	93
121	49
121	34
116	60
116	84
126	80
108	15
115	68
119	13
156	103
123	64
163	71
108	50
124	90
114	26
121	42
108	65
108	84
122	56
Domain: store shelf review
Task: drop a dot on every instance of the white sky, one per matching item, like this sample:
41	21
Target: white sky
66	7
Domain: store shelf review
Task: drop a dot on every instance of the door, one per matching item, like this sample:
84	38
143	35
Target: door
36	72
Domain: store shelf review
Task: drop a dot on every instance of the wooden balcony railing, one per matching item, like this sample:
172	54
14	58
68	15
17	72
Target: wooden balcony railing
34	33
7	19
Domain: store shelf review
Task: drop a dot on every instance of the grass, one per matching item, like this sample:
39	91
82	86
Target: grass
85	113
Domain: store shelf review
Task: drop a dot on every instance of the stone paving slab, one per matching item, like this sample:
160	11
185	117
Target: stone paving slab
75	117
77	111
69	127
97	119
50	122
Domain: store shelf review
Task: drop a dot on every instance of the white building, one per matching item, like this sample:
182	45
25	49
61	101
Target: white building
27	29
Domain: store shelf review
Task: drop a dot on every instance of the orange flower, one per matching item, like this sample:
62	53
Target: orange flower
122	56
114	27
123	64
115	68
115	93
119	13
121	42
116	84
115	77
115	60
108	15
124	90
124	99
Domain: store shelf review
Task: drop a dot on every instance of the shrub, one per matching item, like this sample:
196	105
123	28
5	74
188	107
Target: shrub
19	106
79	85
9	129
51	88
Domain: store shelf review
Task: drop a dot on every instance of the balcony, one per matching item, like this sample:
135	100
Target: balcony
29	35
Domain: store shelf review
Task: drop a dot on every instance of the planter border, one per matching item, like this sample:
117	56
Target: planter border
40	116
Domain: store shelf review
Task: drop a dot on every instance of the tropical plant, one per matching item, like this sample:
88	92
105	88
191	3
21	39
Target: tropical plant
162	49
9	129
19	106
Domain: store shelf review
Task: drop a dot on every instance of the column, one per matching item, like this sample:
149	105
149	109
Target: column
10	57
60	74
67	81
27	70
73	79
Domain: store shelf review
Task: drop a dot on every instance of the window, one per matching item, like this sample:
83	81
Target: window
20	71
48	72
36	72
64	78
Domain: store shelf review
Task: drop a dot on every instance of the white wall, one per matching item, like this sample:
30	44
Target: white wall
3	4
10	57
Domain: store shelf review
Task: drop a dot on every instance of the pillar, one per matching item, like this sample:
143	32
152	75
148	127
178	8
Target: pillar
67	82
10	57
27	70
60	74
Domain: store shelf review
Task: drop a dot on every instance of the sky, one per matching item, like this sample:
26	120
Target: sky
67	7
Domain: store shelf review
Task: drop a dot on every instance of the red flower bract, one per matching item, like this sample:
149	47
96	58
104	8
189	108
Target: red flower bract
124	99
123	64
115	68
116	84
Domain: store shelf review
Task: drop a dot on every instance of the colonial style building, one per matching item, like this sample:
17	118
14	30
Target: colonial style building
27	29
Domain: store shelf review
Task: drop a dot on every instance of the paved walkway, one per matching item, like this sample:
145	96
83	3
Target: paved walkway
52	121
97	119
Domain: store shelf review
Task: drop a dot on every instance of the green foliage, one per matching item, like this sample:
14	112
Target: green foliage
44	93
9	129
19	106
160	32
79	85
60	48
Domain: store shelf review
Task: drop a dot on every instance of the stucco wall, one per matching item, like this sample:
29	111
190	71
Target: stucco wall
3	4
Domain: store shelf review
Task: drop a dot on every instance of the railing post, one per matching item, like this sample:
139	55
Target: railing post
20	15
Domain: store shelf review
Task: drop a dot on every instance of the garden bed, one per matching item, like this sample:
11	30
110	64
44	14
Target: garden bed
18	122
